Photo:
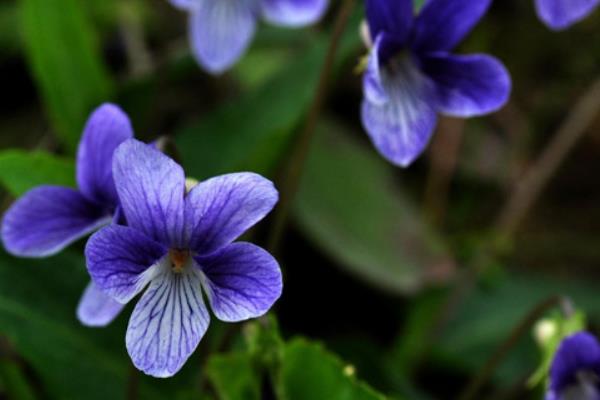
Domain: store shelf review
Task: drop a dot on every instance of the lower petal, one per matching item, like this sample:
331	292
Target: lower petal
221	32
560	14
97	309
401	127
167	323
47	219
121	261
467	86
242	281
293	12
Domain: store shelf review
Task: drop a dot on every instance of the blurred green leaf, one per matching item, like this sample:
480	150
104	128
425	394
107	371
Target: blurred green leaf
14	381
9	34
350	205
64	58
309	372
22	170
234	376
250	133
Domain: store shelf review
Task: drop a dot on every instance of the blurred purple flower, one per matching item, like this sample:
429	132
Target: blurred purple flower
180	244
561	14
575	370
49	218
411	75
221	31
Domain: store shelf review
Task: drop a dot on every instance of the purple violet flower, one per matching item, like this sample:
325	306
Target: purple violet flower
561	14
47	219
178	245
575	370
411	76
221	30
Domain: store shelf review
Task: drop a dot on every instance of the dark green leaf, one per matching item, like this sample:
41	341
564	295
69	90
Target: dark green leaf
63	56
234	376
21	170
350	206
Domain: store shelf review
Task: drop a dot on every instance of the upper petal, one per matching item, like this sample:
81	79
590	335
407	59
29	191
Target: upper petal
401	127
97	309
219	210
293	12
577	352
47	219
151	187
560	14
242	281
467	86
442	24
167	323
392	17
119	260
220	32
106	129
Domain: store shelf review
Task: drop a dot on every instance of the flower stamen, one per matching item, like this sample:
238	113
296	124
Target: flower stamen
179	259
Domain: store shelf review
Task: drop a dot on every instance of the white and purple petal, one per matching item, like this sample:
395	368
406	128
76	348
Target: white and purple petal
401	127
122	260
392	17
242	281
467	86
442	24
97	309
220	209
561	14
221	31
372	83
151	187
293	13
105	130
167	323
49	218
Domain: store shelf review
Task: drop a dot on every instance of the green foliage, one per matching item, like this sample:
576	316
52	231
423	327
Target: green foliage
309	372
22	170
234	376
64	59
13	379
350	205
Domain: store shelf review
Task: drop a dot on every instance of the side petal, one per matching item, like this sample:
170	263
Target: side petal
151	187
468	86
220	209
580	351
293	13
220	32
97	309
242	281
561	14
121	261
185	5
372	84
47	219
442	24
105	130
167	323
401	127
392	17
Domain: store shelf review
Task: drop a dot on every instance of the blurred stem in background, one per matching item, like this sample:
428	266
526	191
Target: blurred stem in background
132	31
295	165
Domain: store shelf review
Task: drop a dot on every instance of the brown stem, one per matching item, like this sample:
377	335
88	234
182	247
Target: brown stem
291	181
509	343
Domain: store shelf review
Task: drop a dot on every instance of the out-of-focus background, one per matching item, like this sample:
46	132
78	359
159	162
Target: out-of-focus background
372	254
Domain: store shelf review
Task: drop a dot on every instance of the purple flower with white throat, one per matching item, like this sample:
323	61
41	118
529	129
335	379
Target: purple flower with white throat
49	218
411	76
221	30
575	369
180	244
561	14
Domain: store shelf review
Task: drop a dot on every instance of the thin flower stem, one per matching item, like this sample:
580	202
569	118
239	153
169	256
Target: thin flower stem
133	384
510	342
293	173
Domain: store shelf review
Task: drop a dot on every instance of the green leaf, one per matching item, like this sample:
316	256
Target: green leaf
22	170
65	62
251	132
14	380
350	205
234	376
309	372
